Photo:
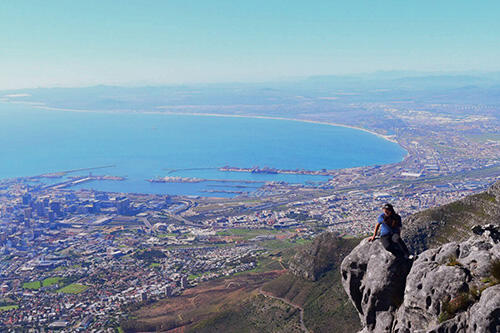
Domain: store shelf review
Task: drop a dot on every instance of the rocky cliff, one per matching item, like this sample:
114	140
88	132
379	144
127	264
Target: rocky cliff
452	288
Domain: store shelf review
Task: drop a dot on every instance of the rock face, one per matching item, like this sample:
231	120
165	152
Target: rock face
375	279
452	288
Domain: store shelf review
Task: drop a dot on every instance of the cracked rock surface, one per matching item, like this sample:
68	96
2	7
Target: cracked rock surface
452	288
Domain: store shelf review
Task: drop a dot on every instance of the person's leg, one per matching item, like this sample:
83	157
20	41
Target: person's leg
400	244
387	243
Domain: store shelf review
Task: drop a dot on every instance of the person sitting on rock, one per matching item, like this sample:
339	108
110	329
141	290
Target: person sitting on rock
389	223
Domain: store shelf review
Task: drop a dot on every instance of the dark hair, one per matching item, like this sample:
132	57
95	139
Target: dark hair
393	220
390	208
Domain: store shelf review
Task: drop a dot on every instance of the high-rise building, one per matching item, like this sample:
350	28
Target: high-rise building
123	206
26	199
55	206
28	213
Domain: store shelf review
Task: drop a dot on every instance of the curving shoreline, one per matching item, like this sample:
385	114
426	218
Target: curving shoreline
41	105
386	137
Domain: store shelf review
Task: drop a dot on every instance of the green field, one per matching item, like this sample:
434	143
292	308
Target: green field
50	281
194	276
154	264
278	244
247	233
74	288
8	307
35	285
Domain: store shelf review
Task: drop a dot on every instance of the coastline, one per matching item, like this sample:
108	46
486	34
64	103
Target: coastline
41	105
386	137
38	109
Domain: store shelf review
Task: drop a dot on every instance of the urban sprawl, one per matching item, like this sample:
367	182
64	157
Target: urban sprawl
82	259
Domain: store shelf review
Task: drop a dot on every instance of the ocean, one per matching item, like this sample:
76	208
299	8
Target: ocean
144	146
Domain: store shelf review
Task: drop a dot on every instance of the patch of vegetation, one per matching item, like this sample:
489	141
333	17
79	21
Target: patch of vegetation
475	292
452	261
149	255
256	314
326	305
59	268
34	285
452	222
265	264
495	269
203	302
281	244
155	265
487	197
486	280
8	307
458	304
247	234
74	288
194	276
50	281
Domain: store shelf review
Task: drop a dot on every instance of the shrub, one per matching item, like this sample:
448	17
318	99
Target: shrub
455	305
495	269
452	261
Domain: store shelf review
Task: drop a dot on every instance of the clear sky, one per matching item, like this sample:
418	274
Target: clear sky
87	42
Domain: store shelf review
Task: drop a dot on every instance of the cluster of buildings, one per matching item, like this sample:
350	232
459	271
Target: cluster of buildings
77	260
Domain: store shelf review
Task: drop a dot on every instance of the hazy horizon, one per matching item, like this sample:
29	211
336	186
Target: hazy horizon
375	75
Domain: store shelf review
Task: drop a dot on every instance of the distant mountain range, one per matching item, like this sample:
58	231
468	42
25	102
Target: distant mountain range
470	87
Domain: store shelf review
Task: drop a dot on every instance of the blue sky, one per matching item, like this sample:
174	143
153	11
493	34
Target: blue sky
75	43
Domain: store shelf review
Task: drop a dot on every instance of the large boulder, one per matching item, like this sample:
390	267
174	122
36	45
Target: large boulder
375	279
452	288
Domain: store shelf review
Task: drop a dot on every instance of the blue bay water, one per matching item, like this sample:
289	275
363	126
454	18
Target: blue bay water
143	146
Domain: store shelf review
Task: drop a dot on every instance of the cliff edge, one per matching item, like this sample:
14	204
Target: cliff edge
452	288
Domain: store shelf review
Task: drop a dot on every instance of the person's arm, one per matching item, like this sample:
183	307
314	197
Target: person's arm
375	232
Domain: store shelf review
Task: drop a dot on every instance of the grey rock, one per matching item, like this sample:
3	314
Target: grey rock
374	279
448	289
485	314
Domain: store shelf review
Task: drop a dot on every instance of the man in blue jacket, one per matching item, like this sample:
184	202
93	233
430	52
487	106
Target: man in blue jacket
389	224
